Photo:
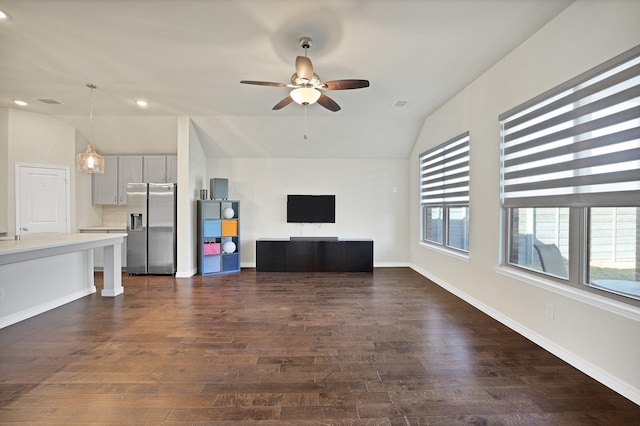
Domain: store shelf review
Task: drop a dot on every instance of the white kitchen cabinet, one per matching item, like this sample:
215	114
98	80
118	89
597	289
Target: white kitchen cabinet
155	168
160	168
104	186
110	188
129	171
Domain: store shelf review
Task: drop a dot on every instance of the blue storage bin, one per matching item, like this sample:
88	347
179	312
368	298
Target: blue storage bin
211	264
212	228
230	262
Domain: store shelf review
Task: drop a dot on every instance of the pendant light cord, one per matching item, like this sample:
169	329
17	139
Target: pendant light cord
91	86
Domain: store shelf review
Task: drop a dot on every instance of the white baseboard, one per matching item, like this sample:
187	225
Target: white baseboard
616	383
187	274
391	265
375	265
44	307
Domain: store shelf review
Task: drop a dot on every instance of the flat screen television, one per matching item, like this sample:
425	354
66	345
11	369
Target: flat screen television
311	208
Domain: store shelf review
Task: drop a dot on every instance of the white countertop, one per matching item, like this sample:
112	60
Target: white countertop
10	247
104	228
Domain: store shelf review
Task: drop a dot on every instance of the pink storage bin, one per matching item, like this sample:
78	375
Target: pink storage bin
211	248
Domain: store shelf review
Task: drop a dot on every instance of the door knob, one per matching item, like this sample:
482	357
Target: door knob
25	228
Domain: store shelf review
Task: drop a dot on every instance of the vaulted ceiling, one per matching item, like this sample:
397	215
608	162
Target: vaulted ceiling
186	58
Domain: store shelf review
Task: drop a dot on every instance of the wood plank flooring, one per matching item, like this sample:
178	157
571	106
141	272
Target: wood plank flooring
387	348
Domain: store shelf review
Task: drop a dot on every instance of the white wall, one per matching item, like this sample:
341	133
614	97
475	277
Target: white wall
371	200
4	171
38	139
86	213
191	178
147	134
599	337
33	138
117	135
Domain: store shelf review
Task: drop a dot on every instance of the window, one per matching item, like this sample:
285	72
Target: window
444	194
540	239
614	235
571	179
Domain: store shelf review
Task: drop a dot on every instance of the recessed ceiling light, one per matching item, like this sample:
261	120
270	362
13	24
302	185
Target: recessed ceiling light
20	103
142	103
3	15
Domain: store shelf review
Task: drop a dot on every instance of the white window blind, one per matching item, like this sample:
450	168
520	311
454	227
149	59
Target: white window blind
444	173
577	144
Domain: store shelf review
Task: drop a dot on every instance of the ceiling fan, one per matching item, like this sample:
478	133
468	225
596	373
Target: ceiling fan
306	84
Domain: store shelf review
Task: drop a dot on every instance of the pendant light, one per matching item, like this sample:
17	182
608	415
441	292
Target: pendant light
90	161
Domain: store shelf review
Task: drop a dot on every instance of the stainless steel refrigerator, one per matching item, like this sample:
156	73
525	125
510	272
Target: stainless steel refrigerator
151	228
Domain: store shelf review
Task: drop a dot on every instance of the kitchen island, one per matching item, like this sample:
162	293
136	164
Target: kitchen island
98	255
43	271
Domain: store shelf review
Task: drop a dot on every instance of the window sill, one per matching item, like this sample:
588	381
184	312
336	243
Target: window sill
449	252
613	306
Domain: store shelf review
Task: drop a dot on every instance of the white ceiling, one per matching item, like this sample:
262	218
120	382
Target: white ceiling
187	58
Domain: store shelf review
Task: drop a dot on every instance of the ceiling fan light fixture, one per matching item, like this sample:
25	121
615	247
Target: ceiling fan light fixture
305	95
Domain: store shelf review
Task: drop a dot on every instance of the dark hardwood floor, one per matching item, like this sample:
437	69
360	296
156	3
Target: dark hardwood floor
387	348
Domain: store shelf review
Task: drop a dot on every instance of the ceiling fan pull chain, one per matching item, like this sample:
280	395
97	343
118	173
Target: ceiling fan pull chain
305	123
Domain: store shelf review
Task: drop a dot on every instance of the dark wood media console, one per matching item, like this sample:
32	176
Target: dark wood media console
314	255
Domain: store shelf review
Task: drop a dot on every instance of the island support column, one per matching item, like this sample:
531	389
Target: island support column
112	273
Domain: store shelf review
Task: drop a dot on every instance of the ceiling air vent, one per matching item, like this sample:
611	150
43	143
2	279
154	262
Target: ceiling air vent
49	101
400	104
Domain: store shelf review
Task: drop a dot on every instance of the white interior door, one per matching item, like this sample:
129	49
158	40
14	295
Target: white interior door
43	199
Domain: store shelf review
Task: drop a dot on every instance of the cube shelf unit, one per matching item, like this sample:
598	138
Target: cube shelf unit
215	230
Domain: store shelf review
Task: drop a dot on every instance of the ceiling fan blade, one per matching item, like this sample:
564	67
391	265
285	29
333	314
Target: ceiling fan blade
328	103
283	103
345	84
304	68
263	83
